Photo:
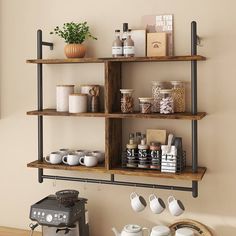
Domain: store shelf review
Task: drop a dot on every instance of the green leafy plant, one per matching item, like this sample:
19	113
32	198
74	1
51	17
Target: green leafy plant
74	32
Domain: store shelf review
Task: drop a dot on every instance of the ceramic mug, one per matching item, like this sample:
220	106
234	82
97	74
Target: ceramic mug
64	151
81	153
54	158
138	203
100	156
157	205
88	161
71	159
184	232
176	207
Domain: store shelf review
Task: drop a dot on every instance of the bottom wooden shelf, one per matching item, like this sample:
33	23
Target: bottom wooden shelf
45	165
185	175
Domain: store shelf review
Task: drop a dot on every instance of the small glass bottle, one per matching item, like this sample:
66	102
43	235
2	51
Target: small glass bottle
167	101
117	45
178	92
156	88
146	105
143	149
131	147
129	46
138	137
127	102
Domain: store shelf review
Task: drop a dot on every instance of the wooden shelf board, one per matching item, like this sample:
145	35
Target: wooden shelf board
45	165
177	116
156	59
185	175
53	112
118	59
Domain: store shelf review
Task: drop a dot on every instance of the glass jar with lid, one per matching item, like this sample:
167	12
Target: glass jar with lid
146	105
167	101
178	93
156	88
127	101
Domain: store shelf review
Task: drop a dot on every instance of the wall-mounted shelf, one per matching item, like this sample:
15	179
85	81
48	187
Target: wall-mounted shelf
113	121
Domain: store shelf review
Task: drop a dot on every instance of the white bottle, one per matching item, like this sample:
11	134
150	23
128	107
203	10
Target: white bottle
117	45
129	46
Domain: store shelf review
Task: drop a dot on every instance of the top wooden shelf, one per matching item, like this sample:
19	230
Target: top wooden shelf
117	59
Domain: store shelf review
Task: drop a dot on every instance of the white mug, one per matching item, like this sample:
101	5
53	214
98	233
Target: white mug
157	205
184	232
138	203
81	153
100	156
64	151
71	159
54	158
88	161
176	207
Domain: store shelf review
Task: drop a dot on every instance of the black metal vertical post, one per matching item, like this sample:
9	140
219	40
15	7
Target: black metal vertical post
40	101
194	106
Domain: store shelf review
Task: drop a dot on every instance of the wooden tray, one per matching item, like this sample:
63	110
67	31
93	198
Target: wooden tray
197	227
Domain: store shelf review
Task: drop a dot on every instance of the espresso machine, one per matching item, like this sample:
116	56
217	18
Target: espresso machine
61	214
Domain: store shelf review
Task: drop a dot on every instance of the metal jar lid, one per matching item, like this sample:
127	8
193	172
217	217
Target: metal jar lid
126	90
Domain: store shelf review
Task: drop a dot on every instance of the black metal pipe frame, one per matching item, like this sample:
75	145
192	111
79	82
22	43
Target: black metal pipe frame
40	44
121	183
194	106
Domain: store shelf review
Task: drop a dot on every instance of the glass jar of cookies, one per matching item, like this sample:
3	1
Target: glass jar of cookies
127	101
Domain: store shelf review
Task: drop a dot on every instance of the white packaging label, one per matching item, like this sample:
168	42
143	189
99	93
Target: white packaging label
128	50
116	50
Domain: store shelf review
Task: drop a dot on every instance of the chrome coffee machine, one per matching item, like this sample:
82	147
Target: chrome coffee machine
61	214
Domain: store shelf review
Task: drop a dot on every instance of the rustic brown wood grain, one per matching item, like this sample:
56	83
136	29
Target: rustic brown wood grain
7	231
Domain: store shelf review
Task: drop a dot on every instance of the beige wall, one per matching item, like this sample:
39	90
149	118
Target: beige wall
109	205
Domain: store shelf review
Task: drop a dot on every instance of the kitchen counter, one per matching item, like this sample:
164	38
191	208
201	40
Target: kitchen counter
6	231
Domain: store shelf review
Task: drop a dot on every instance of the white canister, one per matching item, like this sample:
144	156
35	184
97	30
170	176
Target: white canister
63	92
77	103
160	230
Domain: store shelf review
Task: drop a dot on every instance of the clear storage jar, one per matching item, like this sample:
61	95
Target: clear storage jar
156	88
127	101
167	101
178	93
146	105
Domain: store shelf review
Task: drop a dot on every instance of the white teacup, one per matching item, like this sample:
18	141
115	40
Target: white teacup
100	156
138	203
88	161
176	207
81	153
64	151
71	159
157	205
54	158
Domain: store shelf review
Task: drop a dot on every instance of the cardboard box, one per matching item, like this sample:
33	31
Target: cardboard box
156	135
139	38
156	44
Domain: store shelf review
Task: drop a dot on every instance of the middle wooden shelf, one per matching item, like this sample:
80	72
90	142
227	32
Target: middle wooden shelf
176	116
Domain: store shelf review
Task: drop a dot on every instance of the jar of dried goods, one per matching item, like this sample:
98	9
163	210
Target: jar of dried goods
178	93
146	105
156	88
167	101
127	101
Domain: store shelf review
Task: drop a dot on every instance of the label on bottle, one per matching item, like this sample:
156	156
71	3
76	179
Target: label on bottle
117	50
128	50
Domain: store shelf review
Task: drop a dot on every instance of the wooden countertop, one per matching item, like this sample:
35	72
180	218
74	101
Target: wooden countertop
6	231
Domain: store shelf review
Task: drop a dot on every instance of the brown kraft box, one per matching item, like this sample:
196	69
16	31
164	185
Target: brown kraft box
156	44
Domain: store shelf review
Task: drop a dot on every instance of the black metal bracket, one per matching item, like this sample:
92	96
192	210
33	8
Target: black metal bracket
112	181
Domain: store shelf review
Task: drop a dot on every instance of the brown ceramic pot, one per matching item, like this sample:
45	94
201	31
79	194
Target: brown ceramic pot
75	50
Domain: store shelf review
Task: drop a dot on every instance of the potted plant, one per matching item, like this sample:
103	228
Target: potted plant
74	35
